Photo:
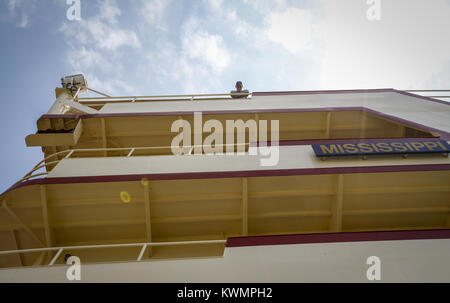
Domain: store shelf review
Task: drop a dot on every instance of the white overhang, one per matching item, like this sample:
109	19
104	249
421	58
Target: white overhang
415	108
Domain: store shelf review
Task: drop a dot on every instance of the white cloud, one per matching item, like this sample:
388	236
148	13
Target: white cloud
153	10
242	29
110	38
291	28
96	48
403	50
114	87
195	65
208	48
12	4
216	4
84	59
109	11
23	21
328	46
101	32
264	7
20	11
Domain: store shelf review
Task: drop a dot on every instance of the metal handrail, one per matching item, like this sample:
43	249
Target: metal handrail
193	96
29	177
39	167
165	96
99	101
139	258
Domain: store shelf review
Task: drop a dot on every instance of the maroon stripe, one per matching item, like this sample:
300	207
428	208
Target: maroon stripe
61	116
339	237
331	141
236	174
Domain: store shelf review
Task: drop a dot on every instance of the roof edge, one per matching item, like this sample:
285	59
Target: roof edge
313	92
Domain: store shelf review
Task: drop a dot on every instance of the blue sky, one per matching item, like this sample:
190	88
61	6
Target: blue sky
146	47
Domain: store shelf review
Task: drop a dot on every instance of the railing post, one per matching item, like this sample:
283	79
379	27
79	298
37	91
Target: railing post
131	152
141	254
245	206
56	257
69	154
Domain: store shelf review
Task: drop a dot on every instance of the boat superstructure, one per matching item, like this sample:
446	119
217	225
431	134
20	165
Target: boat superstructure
111	192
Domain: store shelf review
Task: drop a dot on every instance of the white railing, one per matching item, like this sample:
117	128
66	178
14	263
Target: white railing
131	99
97	101
139	257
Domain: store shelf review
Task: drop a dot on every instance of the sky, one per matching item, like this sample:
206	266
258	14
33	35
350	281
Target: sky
153	47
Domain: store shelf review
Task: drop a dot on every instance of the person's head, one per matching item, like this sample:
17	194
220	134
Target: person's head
66	257
238	86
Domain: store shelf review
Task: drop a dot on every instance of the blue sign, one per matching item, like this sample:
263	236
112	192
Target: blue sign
375	148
